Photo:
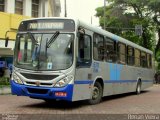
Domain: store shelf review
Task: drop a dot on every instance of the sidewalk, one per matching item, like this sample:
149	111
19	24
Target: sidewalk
5	90
156	84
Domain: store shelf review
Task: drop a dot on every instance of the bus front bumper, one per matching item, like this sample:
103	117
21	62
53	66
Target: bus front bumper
64	93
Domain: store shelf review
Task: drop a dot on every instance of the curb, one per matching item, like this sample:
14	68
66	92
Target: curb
5	90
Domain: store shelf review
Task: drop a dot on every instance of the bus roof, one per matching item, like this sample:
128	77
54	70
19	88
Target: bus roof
113	36
99	31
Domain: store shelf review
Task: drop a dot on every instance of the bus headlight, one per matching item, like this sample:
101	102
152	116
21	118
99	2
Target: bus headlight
63	82
16	78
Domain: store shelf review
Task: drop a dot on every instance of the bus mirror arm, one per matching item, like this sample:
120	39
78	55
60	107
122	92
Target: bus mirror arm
81	30
6	41
32	38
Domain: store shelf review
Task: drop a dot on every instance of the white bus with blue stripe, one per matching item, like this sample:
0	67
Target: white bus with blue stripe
66	59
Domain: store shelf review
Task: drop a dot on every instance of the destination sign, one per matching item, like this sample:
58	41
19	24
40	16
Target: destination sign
48	25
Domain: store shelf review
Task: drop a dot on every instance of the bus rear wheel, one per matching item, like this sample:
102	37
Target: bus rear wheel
138	89
96	94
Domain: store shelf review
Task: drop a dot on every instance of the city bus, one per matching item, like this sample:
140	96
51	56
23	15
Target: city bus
67	59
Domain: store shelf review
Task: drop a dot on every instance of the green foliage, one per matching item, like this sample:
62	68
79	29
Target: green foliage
4	81
121	14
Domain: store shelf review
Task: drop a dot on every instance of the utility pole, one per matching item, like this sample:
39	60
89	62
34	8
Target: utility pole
91	19
104	27
65	8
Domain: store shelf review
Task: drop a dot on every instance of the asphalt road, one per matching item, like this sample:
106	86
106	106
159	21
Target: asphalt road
148	102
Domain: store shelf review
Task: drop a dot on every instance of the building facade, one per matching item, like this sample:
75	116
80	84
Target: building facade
12	12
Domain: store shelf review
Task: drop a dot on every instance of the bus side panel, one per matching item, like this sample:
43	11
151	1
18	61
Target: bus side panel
108	74
133	74
101	70
129	76
82	85
123	78
147	78
120	79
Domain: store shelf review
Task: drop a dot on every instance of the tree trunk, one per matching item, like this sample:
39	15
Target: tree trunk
158	43
145	40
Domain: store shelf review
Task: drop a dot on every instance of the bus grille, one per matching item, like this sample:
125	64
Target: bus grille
33	83
39	77
37	91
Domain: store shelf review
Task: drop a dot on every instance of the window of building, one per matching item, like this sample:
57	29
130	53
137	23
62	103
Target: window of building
110	50
137	57
121	53
143	59
98	47
2	5
130	55
35	8
19	7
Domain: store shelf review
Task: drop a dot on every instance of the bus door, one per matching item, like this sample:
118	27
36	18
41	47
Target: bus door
82	85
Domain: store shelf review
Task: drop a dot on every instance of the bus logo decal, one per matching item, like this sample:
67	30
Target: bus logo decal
37	83
96	67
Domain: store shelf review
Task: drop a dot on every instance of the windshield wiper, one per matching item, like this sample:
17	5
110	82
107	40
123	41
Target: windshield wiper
32	38
53	38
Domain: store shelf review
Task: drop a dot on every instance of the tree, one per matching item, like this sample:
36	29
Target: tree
153	5
127	14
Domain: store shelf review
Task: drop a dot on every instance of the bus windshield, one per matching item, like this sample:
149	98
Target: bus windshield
49	52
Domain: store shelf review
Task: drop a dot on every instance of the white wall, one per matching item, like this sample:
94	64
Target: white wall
27	7
10	44
43	2
10	6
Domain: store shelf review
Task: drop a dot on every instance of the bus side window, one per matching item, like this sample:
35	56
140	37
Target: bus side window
121	53
110	50
143	59
137	57
98	48
149	61
84	50
130	55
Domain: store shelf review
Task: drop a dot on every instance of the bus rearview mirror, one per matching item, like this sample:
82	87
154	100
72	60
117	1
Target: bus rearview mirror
81	30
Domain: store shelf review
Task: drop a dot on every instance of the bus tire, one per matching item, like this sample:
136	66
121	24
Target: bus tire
96	94
138	88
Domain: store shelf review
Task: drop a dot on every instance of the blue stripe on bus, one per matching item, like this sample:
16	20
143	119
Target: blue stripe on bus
119	81
83	82
147	80
109	81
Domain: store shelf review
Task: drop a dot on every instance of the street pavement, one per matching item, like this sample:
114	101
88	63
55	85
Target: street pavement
148	102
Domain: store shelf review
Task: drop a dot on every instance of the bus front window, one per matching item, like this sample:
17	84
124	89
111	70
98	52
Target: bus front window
45	54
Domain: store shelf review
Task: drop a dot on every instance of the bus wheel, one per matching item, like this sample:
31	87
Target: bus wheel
96	94
138	89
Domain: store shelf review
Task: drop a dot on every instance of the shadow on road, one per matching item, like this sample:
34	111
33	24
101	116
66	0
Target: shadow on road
119	96
61	105
57	105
